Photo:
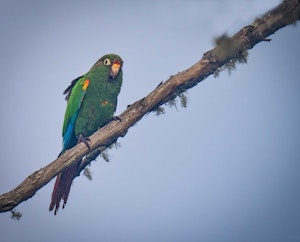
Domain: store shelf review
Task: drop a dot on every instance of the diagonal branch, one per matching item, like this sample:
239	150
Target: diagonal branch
226	51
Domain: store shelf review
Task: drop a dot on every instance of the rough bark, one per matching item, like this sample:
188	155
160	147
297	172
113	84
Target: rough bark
227	50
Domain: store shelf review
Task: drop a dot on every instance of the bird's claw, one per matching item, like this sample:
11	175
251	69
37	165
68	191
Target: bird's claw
85	140
116	118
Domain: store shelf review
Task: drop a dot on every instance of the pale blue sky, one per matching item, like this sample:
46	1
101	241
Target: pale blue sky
224	169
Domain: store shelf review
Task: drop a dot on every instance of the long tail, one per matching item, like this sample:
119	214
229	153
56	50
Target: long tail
62	187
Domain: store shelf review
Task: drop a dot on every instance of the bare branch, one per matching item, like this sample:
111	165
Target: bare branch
227	49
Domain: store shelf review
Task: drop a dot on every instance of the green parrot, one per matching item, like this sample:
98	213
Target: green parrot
92	101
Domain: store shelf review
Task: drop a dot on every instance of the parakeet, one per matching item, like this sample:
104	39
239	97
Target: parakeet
92	101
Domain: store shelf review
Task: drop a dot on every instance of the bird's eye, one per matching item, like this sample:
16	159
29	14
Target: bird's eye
106	62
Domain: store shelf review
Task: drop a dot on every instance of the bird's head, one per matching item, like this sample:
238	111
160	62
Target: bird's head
113	63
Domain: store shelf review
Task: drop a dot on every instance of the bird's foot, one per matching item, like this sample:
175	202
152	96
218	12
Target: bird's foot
116	118
85	140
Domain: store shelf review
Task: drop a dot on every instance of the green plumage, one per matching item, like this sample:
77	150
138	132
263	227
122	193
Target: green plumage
96	105
92	101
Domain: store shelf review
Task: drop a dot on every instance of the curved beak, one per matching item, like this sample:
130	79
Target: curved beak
115	68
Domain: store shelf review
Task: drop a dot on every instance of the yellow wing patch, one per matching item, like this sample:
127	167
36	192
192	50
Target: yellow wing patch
85	84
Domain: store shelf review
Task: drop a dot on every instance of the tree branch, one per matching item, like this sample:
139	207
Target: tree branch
227	50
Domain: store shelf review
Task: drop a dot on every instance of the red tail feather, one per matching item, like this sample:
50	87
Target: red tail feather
62	187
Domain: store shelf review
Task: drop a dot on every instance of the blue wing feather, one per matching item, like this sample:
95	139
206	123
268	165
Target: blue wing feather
69	137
